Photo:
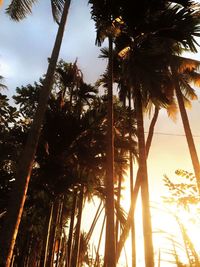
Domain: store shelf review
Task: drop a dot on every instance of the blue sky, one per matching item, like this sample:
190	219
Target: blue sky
26	45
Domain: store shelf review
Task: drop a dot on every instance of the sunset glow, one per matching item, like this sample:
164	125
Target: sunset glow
99	133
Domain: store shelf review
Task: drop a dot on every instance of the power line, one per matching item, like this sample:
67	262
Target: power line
172	134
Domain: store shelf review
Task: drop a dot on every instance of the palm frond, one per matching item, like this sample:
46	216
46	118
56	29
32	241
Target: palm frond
194	77
19	9
121	215
189	247
187	63
2	86
172	110
187	102
57	9
181	25
187	90
104	53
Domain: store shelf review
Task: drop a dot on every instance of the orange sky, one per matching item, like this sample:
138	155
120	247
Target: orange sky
170	152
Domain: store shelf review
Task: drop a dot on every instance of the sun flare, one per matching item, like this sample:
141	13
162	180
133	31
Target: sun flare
170	225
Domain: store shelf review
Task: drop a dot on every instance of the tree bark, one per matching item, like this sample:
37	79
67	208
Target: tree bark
110	261
18	197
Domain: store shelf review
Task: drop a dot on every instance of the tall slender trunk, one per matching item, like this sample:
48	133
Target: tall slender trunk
120	176
55	216
159	258
133	247
151	130
127	226
75	257
59	239
96	263
188	134
94	222
71	227
63	255
147	228
110	260
118	202
16	204
46	237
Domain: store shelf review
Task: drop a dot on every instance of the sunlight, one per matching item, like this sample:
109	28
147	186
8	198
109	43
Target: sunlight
166	225
191	221
166	220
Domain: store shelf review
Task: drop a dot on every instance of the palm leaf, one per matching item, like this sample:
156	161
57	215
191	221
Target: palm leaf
172	110
19	9
186	64
121	215
186	88
57	9
2	86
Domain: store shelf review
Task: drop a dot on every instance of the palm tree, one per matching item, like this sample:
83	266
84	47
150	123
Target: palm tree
146	84
169	32
17	10
102	13
110	222
183	73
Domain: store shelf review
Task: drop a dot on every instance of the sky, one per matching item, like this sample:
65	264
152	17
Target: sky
25	47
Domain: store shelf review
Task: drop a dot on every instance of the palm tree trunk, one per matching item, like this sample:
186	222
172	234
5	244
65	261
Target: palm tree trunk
188	134
46	238
75	257
16	204
71	227
133	222
59	239
94	222
151	130
110	222
119	187
118	201
147	228
133	247
127	227
63	255
96	263
56	210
